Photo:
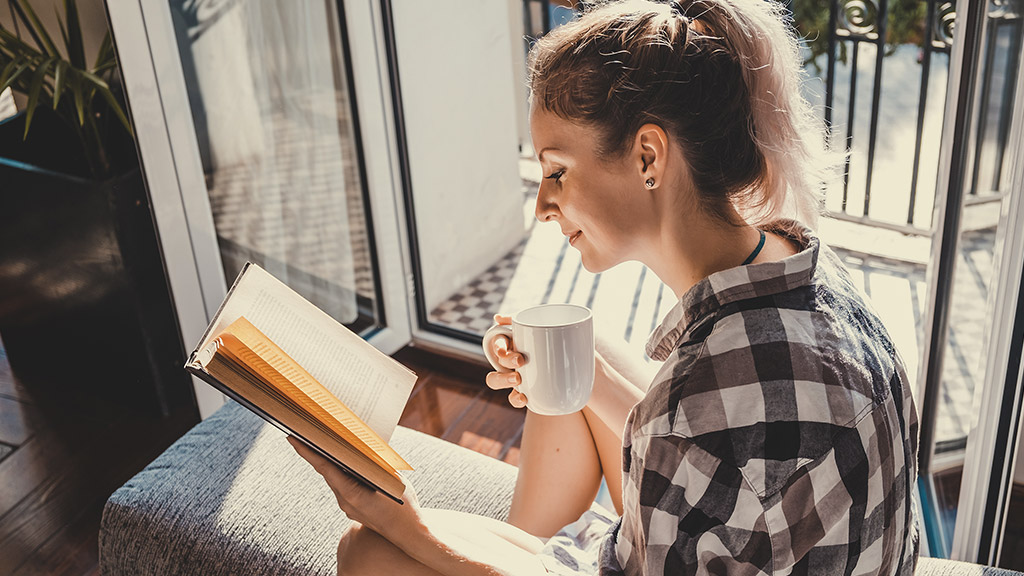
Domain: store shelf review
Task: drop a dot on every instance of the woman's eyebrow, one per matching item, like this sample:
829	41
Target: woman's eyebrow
540	155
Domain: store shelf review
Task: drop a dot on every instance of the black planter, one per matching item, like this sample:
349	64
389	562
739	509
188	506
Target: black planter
84	307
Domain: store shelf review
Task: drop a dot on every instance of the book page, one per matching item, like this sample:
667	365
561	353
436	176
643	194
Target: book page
370	383
259	353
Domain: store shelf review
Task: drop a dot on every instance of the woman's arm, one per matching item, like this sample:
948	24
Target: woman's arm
613	397
620	381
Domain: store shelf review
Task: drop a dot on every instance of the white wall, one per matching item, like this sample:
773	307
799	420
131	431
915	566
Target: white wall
520	96
455	62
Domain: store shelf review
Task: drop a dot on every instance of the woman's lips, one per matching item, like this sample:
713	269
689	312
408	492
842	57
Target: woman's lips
575	237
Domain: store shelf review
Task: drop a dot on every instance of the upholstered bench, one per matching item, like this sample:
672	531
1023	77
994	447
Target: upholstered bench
231	497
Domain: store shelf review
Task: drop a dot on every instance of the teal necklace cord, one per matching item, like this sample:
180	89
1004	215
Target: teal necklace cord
756	250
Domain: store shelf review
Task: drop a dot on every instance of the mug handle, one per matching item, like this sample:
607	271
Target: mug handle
489	336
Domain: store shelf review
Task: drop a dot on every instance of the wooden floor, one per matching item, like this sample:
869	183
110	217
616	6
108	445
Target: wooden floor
59	460
451	401
59	463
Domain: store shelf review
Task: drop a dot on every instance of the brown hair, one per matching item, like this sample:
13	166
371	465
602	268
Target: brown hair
723	80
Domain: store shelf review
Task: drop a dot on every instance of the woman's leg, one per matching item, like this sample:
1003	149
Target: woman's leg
561	462
480	539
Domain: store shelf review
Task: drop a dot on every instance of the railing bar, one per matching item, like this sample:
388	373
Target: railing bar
830	78
593	291
849	123
1010	90
874	223
991	197
554	273
983	106
926	67
657	308
636	302
847	35
876	96
575	279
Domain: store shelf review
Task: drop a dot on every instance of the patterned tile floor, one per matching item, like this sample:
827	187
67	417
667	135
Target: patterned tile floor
629	301
297	207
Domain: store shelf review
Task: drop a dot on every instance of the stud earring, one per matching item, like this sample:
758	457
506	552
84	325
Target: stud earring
649	183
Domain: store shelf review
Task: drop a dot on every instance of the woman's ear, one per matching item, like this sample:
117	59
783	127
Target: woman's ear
651	146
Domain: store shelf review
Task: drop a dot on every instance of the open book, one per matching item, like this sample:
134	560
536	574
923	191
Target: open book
280	356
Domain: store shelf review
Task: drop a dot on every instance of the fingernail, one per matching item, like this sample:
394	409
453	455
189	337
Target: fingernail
513	378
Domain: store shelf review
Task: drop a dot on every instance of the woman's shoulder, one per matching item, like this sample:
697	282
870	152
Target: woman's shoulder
797	365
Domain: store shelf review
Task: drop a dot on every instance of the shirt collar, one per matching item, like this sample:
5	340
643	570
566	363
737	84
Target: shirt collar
735	284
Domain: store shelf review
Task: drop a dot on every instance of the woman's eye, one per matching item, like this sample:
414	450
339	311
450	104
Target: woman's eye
555	176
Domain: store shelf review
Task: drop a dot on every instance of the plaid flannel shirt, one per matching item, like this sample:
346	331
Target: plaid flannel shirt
780	436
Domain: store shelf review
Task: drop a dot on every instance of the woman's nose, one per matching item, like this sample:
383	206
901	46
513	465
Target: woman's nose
546	208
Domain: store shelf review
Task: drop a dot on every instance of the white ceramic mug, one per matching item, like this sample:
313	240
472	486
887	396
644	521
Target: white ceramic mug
557	341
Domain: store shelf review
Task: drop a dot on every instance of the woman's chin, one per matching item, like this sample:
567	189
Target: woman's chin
594	265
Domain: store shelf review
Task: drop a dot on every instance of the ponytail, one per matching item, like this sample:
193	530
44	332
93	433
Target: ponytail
783	124
723	78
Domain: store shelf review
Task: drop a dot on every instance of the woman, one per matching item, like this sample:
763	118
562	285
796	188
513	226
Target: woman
780	434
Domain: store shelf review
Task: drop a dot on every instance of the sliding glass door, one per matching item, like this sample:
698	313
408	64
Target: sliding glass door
250	127
970	377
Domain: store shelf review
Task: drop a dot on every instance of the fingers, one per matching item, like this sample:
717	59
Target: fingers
308	454
507	357
335	476
502	380
517	399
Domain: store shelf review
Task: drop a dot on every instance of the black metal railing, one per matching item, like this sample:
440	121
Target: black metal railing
840	39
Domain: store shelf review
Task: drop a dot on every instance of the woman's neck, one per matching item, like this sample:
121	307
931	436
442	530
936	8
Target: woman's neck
689	251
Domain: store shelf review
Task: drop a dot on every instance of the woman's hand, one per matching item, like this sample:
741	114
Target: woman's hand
510	359
362	503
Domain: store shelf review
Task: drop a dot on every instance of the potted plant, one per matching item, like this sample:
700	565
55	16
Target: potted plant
81	277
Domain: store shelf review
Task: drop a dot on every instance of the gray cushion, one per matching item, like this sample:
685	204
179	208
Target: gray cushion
232	497
935	567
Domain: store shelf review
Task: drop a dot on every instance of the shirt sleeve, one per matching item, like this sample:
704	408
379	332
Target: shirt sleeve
698	515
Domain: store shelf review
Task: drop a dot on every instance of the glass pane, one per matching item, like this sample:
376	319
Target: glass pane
970	312
268	90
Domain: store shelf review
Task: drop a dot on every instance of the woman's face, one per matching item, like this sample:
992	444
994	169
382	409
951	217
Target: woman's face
600	205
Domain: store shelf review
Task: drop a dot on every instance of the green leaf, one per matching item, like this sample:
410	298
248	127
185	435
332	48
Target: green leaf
63	31
116	108
76	91
105	58
40	31
100	82
108	66
20	18
5	74
33	92
59	77
13	77
76	49
17	45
